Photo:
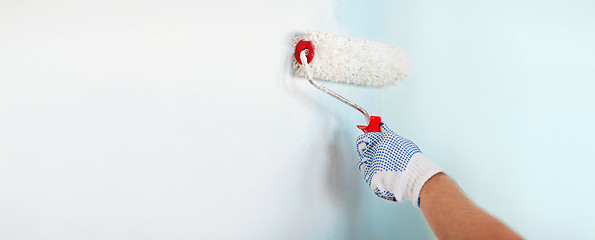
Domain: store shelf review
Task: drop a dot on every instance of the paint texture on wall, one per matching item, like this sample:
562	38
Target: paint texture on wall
170	120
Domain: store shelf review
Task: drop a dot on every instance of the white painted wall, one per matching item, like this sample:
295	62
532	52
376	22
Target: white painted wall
172	120
178	120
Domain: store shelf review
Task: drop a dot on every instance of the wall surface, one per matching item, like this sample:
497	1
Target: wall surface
501	95
171	120
181	120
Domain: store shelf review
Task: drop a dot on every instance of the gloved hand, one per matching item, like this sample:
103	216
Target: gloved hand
393	166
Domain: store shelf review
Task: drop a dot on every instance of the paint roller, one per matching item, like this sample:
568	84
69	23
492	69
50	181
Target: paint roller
335	58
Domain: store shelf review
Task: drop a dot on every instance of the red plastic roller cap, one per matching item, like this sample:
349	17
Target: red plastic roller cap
301	45
373	126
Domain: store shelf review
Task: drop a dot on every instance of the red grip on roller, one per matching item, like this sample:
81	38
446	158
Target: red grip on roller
301	45
373	126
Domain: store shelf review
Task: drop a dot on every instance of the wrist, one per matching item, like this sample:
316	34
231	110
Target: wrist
420	170
433	185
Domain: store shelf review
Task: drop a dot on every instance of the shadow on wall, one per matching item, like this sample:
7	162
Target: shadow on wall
343	186
341	179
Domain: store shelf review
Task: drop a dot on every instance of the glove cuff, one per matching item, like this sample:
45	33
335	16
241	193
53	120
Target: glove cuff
419	170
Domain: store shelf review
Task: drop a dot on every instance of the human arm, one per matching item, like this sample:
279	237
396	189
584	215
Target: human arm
396	170
451	215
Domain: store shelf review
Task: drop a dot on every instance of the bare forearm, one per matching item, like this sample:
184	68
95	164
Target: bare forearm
452	216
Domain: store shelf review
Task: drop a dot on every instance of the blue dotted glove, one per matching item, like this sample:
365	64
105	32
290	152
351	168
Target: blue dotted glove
393	166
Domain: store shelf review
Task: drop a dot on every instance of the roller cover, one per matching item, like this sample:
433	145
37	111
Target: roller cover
353	61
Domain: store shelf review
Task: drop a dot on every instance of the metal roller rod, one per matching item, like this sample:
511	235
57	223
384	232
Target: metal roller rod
328	91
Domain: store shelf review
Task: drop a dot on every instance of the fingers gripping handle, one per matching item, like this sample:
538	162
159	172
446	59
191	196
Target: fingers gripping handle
373	126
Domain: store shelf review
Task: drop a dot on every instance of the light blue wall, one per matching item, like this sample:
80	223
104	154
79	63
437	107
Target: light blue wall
501	95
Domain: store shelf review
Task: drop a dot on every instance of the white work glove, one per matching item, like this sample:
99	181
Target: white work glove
393	166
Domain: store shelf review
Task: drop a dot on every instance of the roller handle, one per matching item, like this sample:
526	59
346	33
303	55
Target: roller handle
373	126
